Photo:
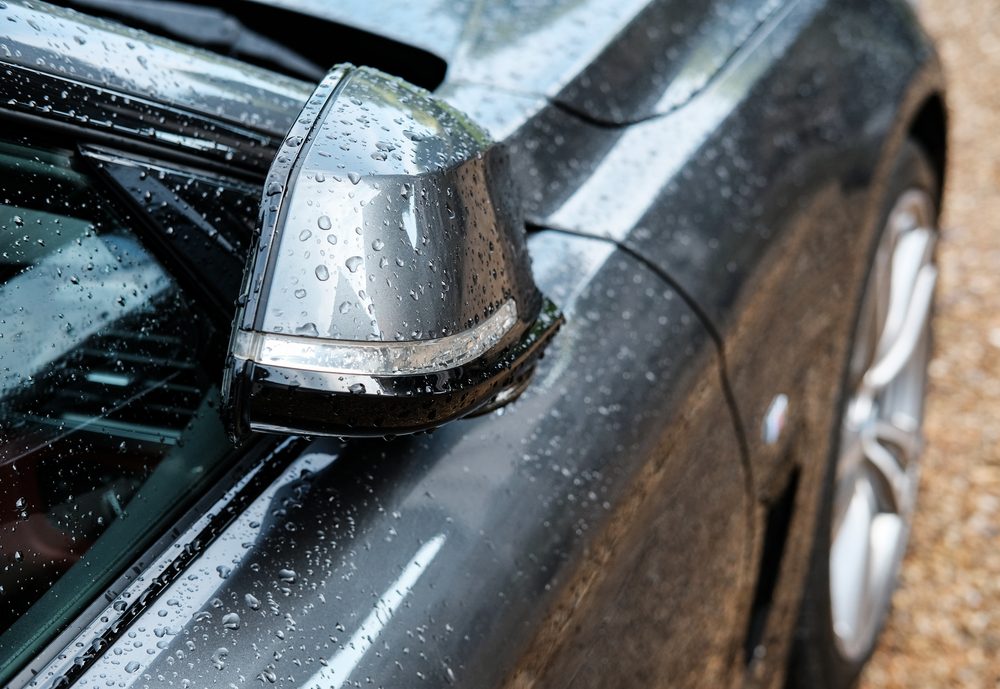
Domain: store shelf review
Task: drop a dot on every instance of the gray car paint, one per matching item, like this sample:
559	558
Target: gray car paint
616	62
533	581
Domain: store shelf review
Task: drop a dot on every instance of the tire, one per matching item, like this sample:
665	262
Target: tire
822	658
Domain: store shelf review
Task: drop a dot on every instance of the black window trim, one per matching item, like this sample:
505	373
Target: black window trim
179	134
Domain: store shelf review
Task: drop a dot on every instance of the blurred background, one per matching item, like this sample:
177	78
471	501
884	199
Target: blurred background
945	628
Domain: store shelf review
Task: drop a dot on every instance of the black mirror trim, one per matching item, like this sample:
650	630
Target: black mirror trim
340	404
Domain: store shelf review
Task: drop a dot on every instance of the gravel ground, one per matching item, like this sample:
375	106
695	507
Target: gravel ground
945	628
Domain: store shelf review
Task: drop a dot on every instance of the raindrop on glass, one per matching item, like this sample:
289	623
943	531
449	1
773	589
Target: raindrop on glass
307	329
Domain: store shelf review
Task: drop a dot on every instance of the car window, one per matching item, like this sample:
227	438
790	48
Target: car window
205	220
108	395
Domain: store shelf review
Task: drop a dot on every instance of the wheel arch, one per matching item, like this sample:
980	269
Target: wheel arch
929	128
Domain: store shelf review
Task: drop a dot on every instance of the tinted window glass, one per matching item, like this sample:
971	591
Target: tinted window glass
203	220
108	387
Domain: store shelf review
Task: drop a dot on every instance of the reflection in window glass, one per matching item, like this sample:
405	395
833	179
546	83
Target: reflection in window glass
107	395
206	219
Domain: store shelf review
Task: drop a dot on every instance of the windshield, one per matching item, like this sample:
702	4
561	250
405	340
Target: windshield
108	395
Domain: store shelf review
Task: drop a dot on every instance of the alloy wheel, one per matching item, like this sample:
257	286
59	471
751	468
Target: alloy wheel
881	436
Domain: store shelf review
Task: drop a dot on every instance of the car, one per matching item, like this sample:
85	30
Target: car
565	343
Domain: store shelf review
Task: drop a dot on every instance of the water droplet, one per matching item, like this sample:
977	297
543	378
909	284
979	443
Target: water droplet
354	177
322	273
324	222
286	575
378	245
132	667
308	329
274	188
300	293
231	621
252	602
353	263
304	235
331	239
294	141
219	657
345	307
357	389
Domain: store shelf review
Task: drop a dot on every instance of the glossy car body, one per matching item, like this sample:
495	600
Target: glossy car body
702	182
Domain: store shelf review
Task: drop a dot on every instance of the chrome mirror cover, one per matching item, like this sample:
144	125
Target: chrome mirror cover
389	289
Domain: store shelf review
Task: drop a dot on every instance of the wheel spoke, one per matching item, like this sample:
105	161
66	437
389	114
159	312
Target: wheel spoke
850	562
898	355
913	251
864	554
908	440
888	473
886	542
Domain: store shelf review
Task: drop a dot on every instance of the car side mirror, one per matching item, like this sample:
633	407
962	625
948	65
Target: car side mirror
389	288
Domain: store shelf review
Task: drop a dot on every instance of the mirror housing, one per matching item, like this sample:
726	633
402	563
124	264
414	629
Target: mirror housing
389	288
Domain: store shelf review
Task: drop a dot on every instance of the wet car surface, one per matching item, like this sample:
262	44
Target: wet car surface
701	187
